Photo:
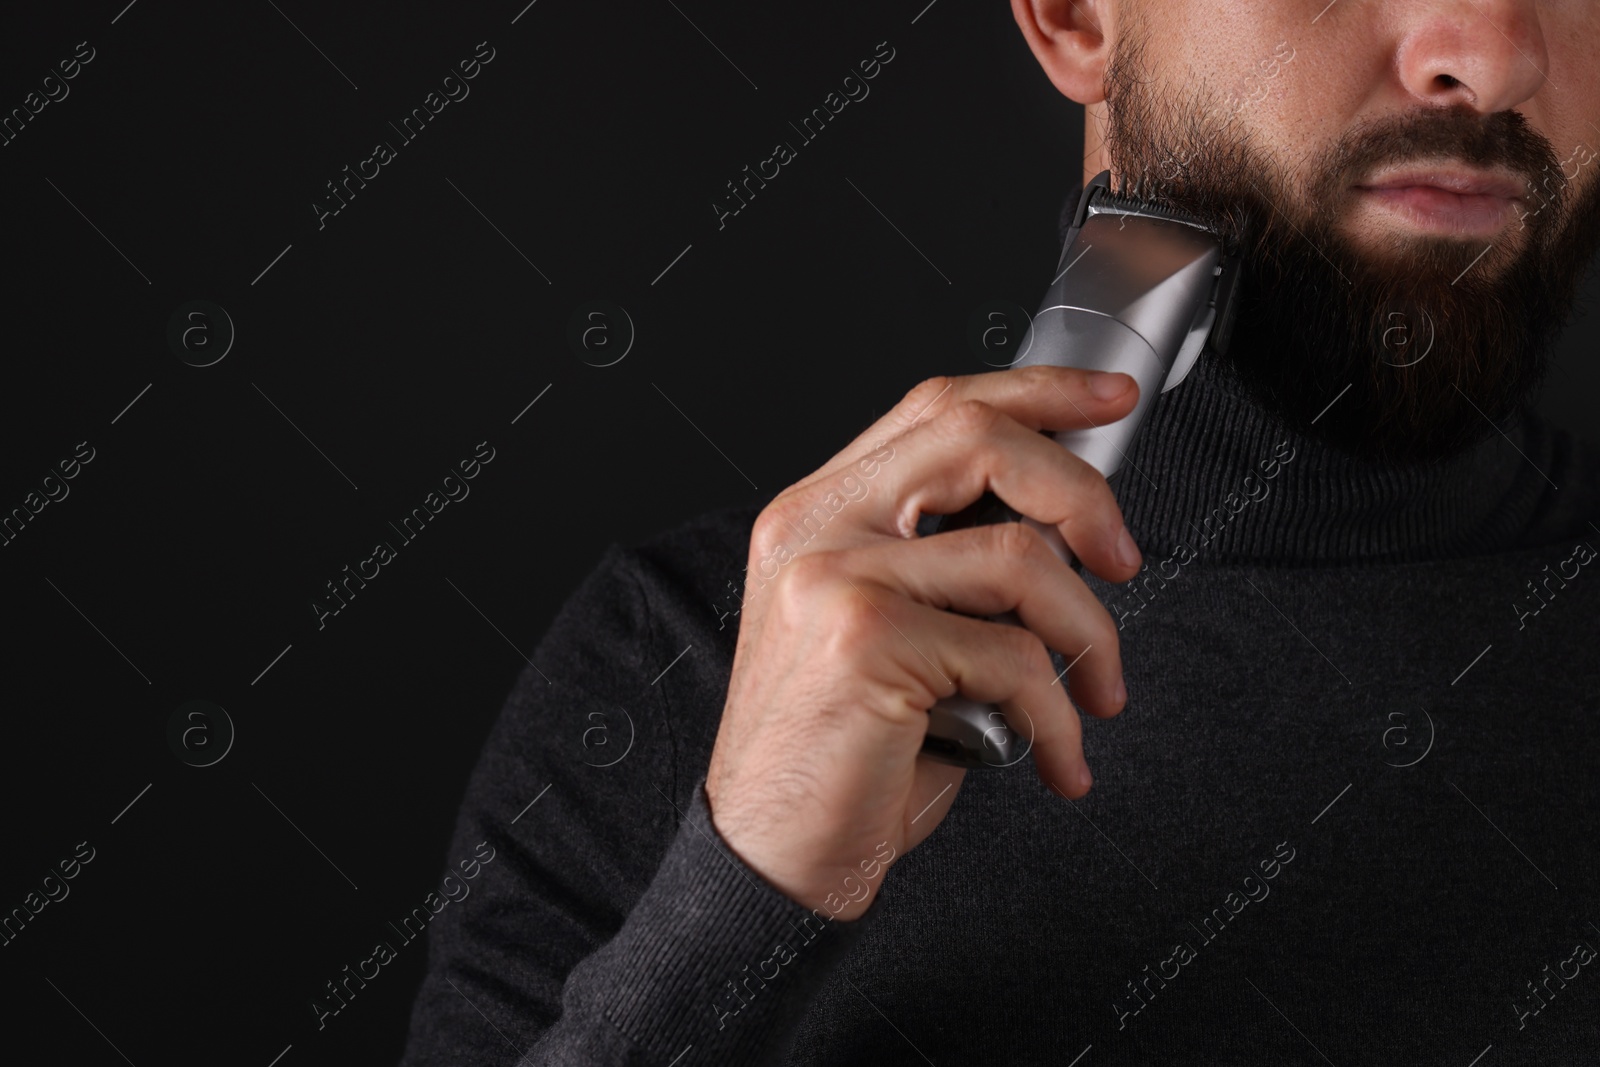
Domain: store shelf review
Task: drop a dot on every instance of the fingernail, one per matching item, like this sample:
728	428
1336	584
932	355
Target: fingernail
1127	551
1085	779
1122	693
1108	385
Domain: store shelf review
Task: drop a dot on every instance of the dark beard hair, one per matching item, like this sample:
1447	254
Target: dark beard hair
1421	348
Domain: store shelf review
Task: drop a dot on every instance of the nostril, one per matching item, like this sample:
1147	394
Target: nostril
1447	81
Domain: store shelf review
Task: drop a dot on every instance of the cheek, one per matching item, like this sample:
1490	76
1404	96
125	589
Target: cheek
1219	43
1262	67
1565	116
1572	43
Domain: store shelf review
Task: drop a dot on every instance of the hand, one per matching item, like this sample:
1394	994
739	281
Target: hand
845	640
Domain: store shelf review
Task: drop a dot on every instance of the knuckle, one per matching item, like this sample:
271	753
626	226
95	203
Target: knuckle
772	526
853	618
1017	542
923	394
972	418
812	574
811	590
768	517
1027	652
1041	376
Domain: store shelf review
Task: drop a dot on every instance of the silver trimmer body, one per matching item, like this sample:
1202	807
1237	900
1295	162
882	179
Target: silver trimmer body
1140	289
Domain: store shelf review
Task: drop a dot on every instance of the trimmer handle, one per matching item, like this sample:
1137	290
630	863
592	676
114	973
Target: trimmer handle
963	731
1139	289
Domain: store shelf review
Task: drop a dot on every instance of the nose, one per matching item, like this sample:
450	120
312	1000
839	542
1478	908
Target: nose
1488	55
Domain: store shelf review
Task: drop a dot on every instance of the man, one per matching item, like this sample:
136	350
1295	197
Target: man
1339	615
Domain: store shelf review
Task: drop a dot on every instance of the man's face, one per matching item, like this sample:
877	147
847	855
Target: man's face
1415	187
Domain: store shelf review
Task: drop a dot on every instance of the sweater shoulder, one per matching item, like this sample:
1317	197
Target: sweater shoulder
636	596
692	574
653	627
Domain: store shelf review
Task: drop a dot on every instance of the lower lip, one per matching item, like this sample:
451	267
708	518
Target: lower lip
1432	208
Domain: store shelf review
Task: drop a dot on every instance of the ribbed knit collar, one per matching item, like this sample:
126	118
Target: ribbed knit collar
1212	470
1198	476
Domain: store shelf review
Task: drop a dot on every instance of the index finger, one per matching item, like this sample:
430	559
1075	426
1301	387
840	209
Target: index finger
1040	397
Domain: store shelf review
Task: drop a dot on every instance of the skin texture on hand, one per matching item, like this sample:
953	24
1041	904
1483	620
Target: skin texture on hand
846	642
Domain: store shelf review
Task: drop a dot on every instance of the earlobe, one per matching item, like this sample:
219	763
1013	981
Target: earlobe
1071	39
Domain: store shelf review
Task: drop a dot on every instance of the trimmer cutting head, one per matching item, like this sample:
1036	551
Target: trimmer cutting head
1134	201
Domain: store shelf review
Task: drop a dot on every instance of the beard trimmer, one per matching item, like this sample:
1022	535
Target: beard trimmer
1140	288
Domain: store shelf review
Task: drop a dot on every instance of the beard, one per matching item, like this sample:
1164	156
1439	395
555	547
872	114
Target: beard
1412	349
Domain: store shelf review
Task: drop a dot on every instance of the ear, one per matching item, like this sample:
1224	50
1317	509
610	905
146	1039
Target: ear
1071	39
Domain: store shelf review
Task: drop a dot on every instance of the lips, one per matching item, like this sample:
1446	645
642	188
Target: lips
1447	200
1459	181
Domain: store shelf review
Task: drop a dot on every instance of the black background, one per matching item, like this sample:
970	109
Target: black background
372	356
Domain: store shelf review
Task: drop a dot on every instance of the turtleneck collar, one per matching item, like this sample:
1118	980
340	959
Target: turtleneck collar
1214	471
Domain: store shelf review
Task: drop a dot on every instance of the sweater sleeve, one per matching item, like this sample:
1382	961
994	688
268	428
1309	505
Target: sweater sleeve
613	925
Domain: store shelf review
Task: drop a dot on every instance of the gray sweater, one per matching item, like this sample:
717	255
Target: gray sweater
1350	815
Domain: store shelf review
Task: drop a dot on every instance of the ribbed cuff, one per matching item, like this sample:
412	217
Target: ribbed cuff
714	957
